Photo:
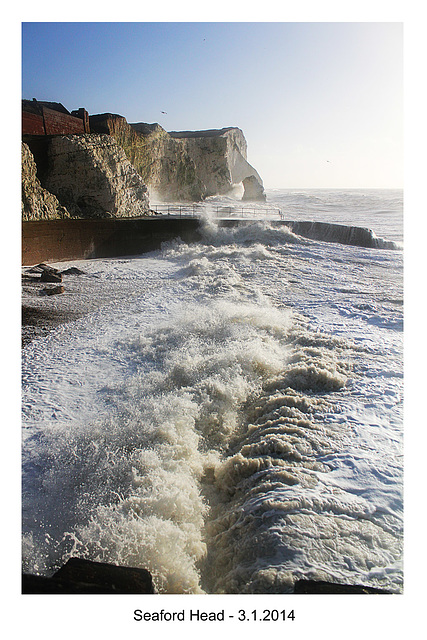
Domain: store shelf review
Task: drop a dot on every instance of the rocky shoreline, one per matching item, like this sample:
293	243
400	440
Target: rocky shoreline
80	576
44	307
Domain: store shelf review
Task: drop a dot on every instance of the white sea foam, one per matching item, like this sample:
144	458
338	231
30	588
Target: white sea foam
228	415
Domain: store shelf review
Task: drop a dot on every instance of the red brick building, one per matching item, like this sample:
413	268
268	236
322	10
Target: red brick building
52	118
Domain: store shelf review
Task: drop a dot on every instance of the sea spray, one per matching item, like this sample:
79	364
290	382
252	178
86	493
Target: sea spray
229	417
133	481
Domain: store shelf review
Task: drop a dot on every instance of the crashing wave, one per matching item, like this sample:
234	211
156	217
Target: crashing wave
343	234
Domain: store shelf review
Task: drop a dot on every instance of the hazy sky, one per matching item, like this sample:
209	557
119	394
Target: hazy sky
320	104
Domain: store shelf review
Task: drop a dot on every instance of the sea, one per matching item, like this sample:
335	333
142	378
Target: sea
227	413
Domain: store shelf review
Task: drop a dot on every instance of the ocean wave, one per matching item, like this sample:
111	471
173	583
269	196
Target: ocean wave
274	232
224	419
343	234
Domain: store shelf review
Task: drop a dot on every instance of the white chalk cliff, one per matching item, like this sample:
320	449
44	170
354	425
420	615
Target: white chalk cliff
91	175
111	171
184	165
222	153
36	202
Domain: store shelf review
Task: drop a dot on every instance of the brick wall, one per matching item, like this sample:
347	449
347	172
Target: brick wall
61	123
32	124
51	122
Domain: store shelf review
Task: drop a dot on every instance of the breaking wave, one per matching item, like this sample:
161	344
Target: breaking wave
217	438
355	236
206	473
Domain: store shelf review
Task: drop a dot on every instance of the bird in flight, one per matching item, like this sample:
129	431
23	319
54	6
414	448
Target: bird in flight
164	112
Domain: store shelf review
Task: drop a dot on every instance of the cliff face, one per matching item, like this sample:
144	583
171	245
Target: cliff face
220	155
186	165
92	177
107	173
36	202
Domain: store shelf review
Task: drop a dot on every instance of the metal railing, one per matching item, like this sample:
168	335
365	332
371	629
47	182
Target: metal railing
196	210
177	210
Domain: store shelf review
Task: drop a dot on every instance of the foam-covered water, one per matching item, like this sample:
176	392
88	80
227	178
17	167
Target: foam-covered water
228	415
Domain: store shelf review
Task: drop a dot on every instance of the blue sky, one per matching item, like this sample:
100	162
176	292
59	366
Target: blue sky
320	103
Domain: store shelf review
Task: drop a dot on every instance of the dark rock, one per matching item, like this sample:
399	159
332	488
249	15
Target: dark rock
72	271
35	269
50	276
41	584
320	586
26	277
52	291
40	268
85	576
46	273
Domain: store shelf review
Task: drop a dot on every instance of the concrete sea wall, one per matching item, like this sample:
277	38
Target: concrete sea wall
75	239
